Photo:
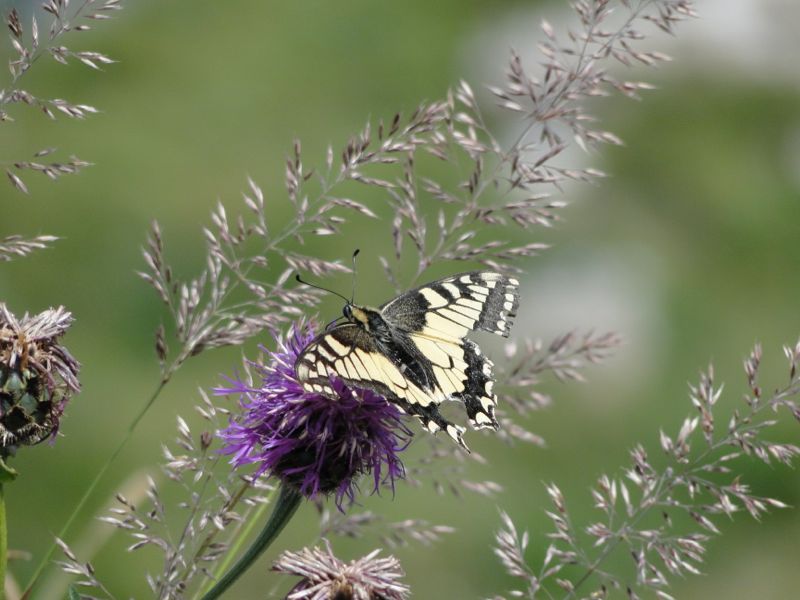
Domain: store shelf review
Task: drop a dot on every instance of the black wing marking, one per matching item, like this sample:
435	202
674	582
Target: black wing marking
451	307
351	354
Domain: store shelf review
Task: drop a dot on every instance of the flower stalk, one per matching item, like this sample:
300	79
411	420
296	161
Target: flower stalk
3	541
241	537
285	507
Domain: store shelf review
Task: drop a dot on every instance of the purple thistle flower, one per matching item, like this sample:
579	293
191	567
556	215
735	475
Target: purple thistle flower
313	443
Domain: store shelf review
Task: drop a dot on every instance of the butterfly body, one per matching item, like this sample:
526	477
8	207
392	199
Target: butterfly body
413	350
368	318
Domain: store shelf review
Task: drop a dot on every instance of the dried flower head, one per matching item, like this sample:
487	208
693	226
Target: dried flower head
325	577
309	441
37	376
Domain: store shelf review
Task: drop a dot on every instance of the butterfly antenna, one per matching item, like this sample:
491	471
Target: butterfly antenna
353	293
319	287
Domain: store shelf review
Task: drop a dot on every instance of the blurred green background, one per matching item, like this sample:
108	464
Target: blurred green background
689	250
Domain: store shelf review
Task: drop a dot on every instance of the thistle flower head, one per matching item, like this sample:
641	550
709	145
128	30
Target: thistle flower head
37	376
314	443
325	577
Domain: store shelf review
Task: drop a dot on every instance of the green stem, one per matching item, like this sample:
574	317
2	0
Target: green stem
3	543
254	519
285	507
87	494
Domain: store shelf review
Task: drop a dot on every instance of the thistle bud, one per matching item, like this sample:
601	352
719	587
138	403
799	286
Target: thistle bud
325	576
37	377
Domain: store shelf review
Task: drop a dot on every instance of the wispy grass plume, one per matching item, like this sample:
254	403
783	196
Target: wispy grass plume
661	512
31	44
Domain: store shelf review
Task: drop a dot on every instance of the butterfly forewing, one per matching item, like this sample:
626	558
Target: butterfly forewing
451	307
419	356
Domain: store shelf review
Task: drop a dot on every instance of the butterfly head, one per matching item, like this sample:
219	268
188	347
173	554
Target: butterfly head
347	311
369	319
356	314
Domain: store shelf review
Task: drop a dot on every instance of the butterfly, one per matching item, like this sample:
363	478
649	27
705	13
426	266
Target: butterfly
412	350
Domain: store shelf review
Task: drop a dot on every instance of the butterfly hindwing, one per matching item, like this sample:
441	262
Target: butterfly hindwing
462	373
412	349
438	315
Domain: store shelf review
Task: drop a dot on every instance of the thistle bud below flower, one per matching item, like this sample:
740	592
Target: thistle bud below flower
326	577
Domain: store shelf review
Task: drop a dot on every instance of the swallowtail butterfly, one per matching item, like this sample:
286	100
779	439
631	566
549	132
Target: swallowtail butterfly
412	350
